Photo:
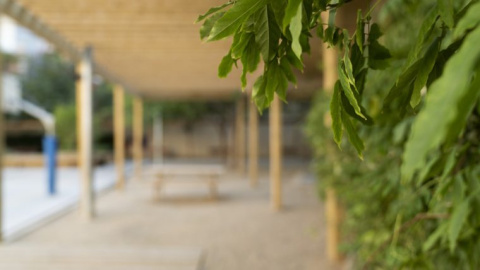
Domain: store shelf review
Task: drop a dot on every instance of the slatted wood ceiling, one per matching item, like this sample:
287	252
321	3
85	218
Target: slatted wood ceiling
153	45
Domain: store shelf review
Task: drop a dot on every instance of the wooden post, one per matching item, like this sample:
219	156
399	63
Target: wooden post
253	144
84	110
138	137
330	61
231	140
240	135
119	134
276	153
78	100
2	130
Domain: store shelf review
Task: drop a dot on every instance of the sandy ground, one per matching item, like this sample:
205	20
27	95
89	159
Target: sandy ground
238	231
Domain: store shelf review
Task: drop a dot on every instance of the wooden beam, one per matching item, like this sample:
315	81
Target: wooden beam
138	136
240	135
84	93
119	134
253	144
276	154
94	7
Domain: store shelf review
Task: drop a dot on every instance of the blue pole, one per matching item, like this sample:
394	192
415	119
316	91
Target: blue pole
50	152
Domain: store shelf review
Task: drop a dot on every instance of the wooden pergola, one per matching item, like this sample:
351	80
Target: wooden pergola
152	50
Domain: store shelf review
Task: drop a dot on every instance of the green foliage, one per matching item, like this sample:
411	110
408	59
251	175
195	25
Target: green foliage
189	111
49	81
66	128
407	98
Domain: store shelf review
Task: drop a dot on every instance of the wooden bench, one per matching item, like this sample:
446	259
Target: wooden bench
205	173
95	258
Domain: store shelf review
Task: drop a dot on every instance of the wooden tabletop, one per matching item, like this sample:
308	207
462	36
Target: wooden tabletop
185	169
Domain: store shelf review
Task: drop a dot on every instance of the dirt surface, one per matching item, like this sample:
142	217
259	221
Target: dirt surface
239	231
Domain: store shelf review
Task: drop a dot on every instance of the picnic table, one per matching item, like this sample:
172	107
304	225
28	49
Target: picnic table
208	174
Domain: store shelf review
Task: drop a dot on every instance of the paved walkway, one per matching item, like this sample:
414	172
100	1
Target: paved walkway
27	204
237	232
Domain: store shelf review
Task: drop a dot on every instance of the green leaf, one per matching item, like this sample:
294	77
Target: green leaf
276	82
464	108
357	59
398	91
278	7
267	34
445	8
336	113
287	69
296	29
225	66
349	71
353	137
425	30
349	109
234	18
290	12
450	164
250	60
378	55
469	21
434	237
240	42
427	65
331	29
432	125
212	11
208	25
294	60
305	41
322	4
359	34
361	79
273	81
457	221
308	14
347	89
320	29
259	94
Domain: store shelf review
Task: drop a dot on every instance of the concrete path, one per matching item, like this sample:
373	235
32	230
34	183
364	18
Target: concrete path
27	204
237	232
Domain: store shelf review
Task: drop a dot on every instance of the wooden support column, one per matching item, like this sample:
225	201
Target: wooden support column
240	144
85	132
2	136
332	208
138	137
253	144
276	153
119	134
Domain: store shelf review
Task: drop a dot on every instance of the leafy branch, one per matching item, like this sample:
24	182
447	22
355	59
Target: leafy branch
405	226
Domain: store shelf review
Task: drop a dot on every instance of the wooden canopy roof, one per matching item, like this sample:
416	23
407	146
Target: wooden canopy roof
152	46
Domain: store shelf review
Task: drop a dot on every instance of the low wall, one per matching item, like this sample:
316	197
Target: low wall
38	160
208	138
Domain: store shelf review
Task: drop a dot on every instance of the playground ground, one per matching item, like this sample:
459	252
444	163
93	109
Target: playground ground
27	203
238	231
